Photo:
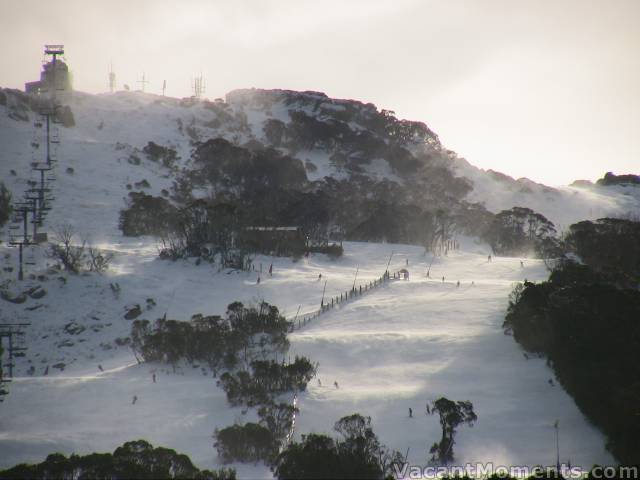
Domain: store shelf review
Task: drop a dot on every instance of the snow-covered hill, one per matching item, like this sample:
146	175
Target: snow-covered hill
111	131
398	347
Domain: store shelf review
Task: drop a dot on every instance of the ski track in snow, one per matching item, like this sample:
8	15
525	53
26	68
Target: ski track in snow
397	347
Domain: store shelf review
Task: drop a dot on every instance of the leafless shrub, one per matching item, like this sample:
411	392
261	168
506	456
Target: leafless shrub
98	260
65	250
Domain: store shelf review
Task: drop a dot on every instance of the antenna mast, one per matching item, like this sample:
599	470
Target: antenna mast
112	79
198	86
143	82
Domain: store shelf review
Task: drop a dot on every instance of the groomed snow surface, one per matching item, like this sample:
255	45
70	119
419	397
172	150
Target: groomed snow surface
397	347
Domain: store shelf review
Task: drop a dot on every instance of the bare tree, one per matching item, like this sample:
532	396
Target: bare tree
65	250
98	260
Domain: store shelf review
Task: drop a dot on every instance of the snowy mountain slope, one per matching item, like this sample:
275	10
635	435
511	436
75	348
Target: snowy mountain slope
562	205
111	128
393	349
420	339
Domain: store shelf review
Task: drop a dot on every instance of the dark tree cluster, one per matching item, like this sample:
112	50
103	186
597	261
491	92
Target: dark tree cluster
590	332
204	229
355	454
520	231
307	132
264	379
252	442
166	156
253	190
609	245
387	138
225	165
137	459
147	215
249	442
221	342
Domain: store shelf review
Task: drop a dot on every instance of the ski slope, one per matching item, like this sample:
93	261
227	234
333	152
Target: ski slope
397	347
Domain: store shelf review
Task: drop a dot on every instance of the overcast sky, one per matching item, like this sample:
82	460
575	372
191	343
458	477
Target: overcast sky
547	89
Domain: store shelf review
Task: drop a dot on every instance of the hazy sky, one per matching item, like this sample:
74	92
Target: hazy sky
547	89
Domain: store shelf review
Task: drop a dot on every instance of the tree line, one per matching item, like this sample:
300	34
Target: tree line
137	459
584	319
222	342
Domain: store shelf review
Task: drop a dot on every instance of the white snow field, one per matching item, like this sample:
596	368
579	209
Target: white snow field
395	348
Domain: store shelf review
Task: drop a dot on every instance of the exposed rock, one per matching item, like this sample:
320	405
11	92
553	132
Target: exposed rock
36	292
73	328
122	341
133	313
20	298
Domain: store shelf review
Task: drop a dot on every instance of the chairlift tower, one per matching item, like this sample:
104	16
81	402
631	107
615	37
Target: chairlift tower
37	198
54	51
21	211
13	336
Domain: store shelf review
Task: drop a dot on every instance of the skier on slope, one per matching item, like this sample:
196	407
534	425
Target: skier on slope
271	269
410	413
458	284
335	384
443	279
489	258
135	399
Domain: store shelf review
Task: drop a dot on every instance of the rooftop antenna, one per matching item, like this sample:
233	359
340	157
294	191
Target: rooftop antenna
143	82
112	79
198	86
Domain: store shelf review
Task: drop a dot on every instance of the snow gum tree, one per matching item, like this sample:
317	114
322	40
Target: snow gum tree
452	415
